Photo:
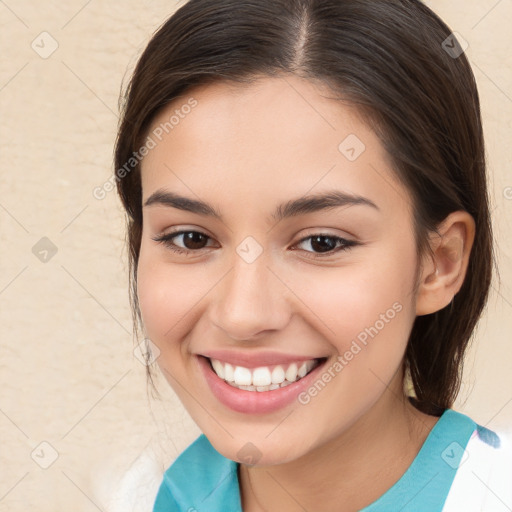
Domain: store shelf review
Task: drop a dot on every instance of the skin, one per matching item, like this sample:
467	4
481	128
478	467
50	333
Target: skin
246	149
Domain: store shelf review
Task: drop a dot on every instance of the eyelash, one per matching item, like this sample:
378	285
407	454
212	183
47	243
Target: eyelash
167	241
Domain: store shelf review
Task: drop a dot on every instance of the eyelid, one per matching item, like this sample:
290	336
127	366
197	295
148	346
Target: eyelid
345	235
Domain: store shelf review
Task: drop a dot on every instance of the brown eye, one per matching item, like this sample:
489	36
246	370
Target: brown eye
191	241
323	243
326	244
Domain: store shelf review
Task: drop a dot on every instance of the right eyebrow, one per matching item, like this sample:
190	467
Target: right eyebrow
165	198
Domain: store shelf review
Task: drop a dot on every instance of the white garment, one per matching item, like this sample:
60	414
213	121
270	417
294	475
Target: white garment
483	482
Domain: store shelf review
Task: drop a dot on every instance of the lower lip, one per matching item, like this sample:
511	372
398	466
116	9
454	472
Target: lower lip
255	402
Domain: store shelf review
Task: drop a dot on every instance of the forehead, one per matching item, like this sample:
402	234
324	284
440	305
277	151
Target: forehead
253	113
274	137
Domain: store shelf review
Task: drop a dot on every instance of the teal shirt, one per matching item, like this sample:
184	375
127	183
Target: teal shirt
203	480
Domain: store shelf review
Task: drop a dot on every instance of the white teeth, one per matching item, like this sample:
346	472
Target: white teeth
291	373
218	367
278	375
262	378
229	372
302	370
242	376
261	388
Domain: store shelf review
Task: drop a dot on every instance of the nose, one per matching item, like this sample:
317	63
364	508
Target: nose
250	302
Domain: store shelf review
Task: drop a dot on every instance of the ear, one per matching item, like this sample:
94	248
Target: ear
443	274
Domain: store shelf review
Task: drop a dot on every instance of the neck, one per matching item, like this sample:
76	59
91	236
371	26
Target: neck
353	469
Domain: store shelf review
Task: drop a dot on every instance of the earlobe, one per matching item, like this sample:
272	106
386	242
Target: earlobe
444	271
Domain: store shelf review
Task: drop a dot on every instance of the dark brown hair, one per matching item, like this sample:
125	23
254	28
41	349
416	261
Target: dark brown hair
397	62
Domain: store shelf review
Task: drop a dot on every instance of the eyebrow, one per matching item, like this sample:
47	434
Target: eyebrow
292	208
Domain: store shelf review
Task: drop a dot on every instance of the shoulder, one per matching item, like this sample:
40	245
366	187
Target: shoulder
200	478
483	481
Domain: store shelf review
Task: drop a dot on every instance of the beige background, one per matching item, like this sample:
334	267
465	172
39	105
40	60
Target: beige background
68	373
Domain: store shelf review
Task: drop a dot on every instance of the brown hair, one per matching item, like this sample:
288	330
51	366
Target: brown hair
388	58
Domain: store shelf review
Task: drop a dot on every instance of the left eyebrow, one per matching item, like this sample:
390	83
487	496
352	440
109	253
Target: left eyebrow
318	202
292	208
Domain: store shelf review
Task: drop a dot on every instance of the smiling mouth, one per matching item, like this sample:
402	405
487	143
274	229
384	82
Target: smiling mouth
263	378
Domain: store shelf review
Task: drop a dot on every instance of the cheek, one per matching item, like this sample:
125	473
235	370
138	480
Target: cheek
348	301
366	312
166	296
155	303
367	317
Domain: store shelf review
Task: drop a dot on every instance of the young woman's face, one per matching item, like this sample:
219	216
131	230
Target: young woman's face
271	274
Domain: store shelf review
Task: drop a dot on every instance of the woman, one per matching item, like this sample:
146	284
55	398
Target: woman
309	236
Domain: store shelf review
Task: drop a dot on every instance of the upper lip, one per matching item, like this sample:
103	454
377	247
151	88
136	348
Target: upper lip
250	360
